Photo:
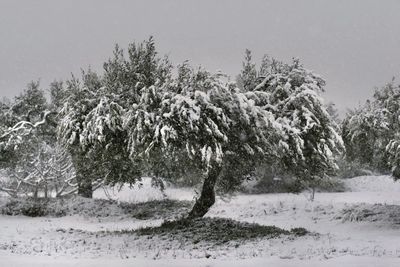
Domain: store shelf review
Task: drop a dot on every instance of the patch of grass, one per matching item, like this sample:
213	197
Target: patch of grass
299	231
371	213
215	230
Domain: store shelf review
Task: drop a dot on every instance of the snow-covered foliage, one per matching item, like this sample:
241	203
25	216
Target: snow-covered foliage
196	121
95	127
362	129
140	120
29	105
246	80
370	132
393	149
33	162
80	102
124	77
58	95
91	125
90	128
310	139
47	172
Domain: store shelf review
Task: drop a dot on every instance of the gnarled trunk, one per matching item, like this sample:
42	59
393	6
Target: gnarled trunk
207	196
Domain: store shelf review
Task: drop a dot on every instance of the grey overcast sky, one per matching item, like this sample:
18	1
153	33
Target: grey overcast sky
354	45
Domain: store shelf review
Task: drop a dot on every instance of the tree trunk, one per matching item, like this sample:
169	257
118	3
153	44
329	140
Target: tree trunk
45	190
312	196
83	177
207	196
396	173
36	192
85	188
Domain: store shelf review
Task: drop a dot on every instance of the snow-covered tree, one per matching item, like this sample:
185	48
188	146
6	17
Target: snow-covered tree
91	119
310	140
246	80
32	160
41	170
26	109
334	113
368	130
30	104
197	122
362	130
29	150
58	94
387	101
83	98
393	149
7	118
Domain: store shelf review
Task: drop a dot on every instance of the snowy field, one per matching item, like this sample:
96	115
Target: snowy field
359	227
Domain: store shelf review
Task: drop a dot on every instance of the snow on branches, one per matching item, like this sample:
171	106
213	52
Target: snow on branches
196	120
34	164
309	140
370	132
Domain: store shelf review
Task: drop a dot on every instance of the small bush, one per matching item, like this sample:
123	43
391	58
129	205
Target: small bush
34	210
29	207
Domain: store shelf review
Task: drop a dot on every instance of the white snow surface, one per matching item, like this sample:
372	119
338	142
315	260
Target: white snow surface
76	240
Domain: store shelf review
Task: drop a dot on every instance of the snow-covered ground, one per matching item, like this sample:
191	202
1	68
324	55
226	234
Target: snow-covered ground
360	227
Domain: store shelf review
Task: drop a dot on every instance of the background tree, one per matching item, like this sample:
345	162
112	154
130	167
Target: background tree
30	105
310	136
82	98
58	94
30	154
246	80
368	130
92	118
334	113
